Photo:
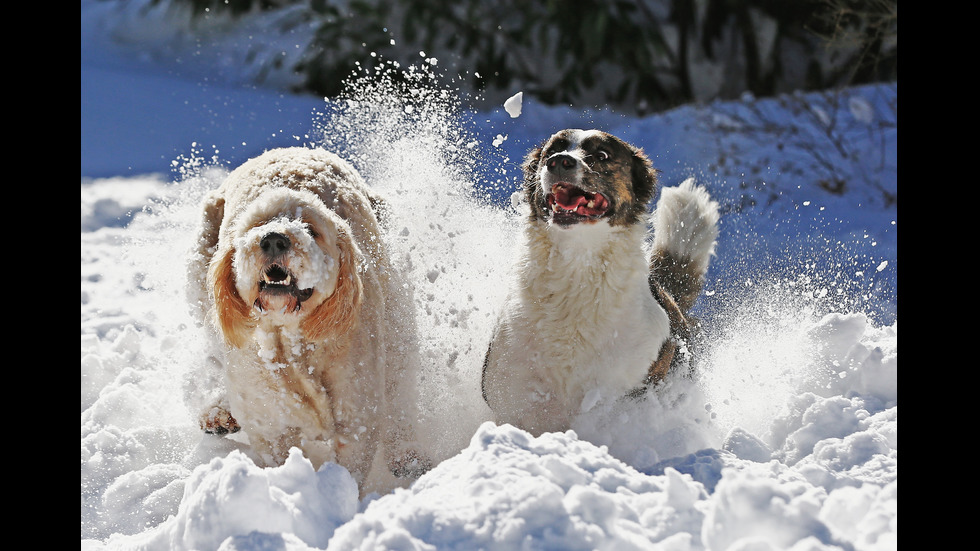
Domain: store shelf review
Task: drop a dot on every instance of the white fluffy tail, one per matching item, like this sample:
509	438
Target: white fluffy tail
685	224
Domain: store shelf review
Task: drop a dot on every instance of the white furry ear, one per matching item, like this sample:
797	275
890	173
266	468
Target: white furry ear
338	312
213	214
232	314
200	255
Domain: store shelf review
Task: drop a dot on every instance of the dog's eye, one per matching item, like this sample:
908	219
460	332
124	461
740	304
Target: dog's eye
311	231
602	155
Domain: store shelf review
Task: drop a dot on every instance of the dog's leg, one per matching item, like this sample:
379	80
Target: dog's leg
680	331
356	449
660	368
205	392
402	450
685	230
217	419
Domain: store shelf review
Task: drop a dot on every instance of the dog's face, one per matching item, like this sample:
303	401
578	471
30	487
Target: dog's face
285	253
285	259
586	177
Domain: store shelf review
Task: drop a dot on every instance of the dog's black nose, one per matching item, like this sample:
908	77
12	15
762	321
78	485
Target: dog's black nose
274	244
561	161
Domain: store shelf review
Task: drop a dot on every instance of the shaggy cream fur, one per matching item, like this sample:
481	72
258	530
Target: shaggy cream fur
315	331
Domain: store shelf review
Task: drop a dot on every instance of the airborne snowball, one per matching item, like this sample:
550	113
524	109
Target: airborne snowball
513	105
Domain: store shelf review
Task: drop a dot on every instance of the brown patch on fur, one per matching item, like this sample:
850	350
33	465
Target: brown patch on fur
532	191
680	330
234	315
661	367
620	178
678	277
339	311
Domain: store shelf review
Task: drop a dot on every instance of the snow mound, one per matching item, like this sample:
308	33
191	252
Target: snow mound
823	476
508	490
230	503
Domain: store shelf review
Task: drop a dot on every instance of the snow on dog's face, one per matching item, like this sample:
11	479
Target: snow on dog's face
289	264
285	252
588	176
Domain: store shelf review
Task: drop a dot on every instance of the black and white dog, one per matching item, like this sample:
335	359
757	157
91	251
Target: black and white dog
596	311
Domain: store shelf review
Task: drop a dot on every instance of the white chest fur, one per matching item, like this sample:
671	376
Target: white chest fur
580	326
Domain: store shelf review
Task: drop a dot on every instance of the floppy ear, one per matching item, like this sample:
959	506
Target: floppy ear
200	255
213	214
644	177
532	191
338	312
232	313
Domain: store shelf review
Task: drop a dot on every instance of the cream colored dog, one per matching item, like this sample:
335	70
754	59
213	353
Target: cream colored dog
316	329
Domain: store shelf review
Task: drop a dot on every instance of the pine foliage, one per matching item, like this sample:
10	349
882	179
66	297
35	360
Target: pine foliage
635	54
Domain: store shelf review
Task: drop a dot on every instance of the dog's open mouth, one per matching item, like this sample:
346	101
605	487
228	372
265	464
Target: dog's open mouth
278	291
570	204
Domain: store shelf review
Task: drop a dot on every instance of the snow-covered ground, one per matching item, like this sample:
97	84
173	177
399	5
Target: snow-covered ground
786	440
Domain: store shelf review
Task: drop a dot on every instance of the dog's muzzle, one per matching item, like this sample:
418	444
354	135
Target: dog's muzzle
277	287
274	244
568	203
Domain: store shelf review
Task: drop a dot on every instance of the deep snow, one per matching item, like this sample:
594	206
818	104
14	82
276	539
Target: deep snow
786	440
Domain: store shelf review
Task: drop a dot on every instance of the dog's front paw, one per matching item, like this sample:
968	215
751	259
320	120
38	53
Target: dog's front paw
411	464
218	420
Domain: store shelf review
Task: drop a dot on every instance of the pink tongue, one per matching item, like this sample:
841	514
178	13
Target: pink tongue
568	201
577	202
